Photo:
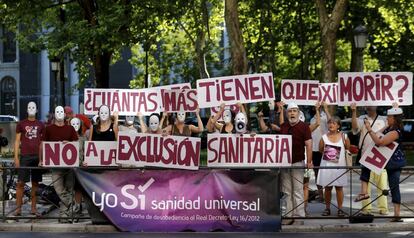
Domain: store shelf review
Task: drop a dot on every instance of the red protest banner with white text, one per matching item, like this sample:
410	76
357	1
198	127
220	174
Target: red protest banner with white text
233	89
60	154
180	100
153	150
124	101
100	153
245	151
375	89
376	157
328	93
302	92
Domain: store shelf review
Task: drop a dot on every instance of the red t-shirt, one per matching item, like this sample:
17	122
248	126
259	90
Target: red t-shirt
31	136
300	133
60	133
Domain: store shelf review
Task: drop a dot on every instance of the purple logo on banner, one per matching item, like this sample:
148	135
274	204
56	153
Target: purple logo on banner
171	200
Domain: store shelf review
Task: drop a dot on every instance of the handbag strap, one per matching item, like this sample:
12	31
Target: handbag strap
362	144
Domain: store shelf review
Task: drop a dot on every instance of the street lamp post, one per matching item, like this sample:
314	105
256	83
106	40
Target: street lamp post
55	67
360	40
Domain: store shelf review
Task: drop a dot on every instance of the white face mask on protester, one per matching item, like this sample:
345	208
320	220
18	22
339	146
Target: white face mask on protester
31	109
154	123
59	113
227	116
104	113
271	105
75	123
181	116
241	123
129	120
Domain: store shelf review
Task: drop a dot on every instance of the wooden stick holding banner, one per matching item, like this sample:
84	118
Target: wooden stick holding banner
376	157
244	151
60	154
180	100
233	89
177	152
375	89
100	153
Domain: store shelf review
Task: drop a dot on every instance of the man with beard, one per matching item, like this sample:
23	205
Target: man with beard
292	179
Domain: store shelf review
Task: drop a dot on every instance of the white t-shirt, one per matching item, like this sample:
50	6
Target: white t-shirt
380	123
322	129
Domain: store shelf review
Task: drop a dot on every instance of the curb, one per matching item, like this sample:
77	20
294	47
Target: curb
378	227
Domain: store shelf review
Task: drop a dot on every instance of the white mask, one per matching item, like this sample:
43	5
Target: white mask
271	105
129	120
241	122
104	113
31	109
154	123
59	113
75	123
181	116
227	116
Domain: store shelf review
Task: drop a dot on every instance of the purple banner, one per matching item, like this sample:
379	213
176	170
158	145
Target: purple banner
173	200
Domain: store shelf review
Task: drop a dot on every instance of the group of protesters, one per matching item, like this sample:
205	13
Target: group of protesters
319	143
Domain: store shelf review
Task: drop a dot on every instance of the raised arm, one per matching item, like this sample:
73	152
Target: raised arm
200	126
142	123
317	122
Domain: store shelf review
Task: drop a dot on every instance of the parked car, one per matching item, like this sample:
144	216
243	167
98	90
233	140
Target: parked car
8	118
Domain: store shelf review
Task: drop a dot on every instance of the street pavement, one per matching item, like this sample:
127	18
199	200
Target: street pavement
314	223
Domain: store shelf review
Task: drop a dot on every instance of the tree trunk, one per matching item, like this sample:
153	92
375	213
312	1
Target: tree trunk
329	24
101	66
238	52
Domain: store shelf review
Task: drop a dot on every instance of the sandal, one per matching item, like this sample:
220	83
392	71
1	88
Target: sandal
36	214
396	219
361	197
341	213
326	212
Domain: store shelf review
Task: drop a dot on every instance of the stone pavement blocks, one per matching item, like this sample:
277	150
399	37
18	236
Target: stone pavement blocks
45	227
100	228
20	227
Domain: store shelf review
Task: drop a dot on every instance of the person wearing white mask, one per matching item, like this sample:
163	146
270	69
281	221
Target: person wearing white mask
62	178
28	138
76	123
292	179
181	129
128	125
228	126
106	128
154	123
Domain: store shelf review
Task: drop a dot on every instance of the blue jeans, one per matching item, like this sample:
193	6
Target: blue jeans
394	183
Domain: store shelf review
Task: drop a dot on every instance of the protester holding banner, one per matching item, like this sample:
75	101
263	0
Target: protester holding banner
273	124
106	128
28	137
63	179
332	146
228	118
76	123
128	124
392	133
292	179
154	123
179	128
319	127
378	122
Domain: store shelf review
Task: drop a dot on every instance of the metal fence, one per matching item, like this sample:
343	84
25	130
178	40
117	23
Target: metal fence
351	209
